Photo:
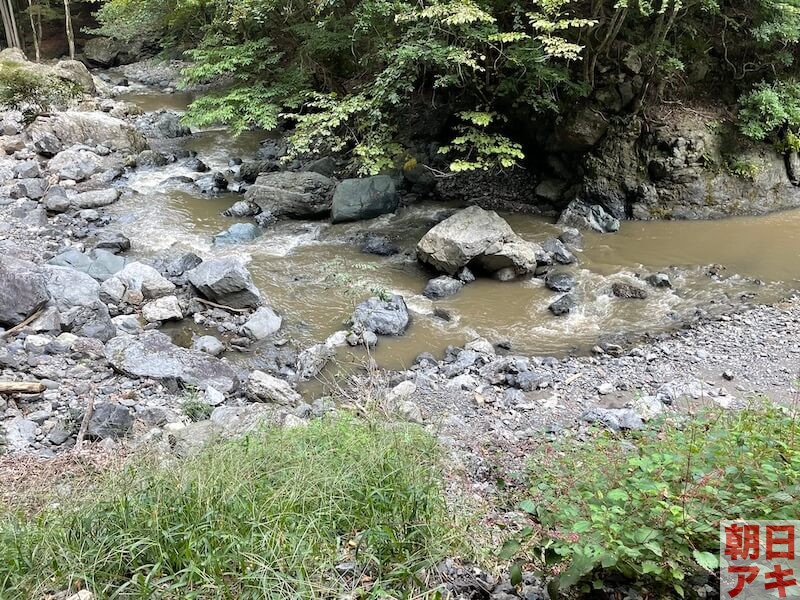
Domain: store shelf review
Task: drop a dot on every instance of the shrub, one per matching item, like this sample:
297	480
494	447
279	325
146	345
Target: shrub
266	516
30	90
648	507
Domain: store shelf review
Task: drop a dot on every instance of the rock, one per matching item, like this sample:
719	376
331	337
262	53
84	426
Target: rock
581	215
378	245
551	190
480	237
162	124
465	275
82	595
76	163
324	166
163	309
262	387
55	200
559	281
152	354
402	391
103	51
197	165
263	323
226	281
27	169
182	264
76	72
442	287
23	290
241	209
208	344
302	195
64	129
605	388
564	305
251	169
659	280
558	251
238	233
127	324
572	237
151	158
647	407
109	421
213	396
77	298
312	360
113	242
366	198
384	317
99	264
615	419
20	434
28	188
136	282
95	199
626	290
728	375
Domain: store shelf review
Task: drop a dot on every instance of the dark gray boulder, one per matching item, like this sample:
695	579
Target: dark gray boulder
303	195
367	198
558	251
582	215
226	281
109	421
382	316
563	306
378	245
162	124
23	290
559	281
153	355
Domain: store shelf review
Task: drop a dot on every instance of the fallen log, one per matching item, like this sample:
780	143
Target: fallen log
21	387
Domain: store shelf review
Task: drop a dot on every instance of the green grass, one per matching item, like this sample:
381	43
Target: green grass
646	507
266	516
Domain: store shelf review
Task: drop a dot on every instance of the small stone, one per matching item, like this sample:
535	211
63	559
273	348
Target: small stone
605	388
162	309
659	280
728	375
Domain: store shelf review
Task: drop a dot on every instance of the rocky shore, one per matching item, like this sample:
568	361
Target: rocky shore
81	316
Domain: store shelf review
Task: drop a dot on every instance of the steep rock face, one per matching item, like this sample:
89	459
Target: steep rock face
684	169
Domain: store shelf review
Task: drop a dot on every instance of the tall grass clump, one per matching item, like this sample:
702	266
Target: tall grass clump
270	515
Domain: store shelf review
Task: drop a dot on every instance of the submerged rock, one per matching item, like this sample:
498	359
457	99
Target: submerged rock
442	287
378	245
626	290
152	354
238	233
367	198
564	305
384	317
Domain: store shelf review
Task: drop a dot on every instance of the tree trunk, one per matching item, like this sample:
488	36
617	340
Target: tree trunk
70	35
10	24
33	31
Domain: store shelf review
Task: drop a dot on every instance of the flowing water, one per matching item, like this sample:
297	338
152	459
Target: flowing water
313	272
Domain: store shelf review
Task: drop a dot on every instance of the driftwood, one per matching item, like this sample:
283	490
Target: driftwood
25	323
21	387
222	306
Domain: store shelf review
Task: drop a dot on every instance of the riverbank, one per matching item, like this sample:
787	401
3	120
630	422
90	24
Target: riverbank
144	334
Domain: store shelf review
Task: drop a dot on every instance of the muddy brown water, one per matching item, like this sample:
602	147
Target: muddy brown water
313	273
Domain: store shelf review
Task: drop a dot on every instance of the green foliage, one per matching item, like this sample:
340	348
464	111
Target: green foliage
31	89
648	507
744	168
770	110
196	408
266	516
